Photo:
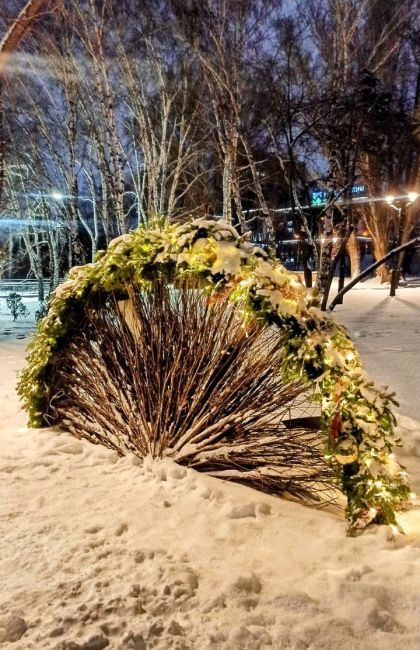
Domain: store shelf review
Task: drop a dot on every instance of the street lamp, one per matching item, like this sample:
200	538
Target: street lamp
412	197
58	196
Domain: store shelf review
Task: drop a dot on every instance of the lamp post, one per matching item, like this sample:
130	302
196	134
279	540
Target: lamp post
400	208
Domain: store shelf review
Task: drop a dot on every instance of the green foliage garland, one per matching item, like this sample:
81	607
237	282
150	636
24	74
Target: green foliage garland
357	418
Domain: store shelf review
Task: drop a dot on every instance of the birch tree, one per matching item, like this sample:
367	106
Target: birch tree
19	26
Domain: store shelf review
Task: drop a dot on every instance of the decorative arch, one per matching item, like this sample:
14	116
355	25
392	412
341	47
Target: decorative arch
357	421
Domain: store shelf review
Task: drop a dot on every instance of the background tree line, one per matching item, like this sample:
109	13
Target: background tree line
115	112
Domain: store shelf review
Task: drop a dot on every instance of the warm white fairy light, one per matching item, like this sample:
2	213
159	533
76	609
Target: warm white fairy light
341	381
394	530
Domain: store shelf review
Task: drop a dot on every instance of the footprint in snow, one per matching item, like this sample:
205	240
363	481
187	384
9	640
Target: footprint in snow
121	528
91	530
251	509
12	628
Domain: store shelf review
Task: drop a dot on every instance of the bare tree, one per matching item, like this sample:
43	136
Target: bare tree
225	37
221	106
10	41
20	25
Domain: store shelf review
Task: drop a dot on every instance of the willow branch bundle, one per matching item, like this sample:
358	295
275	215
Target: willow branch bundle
172	372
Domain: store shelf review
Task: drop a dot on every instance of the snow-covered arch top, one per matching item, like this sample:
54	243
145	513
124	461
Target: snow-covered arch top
357	420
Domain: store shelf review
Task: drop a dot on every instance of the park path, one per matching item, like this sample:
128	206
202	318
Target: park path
387	333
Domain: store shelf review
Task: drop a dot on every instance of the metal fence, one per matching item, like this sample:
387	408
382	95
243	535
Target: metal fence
27	288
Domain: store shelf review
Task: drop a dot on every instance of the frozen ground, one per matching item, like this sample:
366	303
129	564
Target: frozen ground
98	552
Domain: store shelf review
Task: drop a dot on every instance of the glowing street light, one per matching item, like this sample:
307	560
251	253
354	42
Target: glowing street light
59	196
412	197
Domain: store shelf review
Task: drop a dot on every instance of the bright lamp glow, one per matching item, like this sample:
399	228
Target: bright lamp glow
412	196
390	199
57	196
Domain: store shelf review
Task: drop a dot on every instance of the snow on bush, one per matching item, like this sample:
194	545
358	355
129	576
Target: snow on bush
357	419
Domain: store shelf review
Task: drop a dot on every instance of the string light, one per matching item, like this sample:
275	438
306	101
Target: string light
341	381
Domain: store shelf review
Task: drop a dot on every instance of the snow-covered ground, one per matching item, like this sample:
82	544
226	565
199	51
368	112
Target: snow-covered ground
98	552
21	328
387	333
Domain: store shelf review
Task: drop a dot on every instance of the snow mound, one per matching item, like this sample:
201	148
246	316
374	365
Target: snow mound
409	432
102	552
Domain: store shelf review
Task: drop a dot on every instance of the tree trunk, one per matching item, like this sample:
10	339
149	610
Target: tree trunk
227	190
353	249
53	246
18	28
327	246
379	251
34	253
9	267
8	44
